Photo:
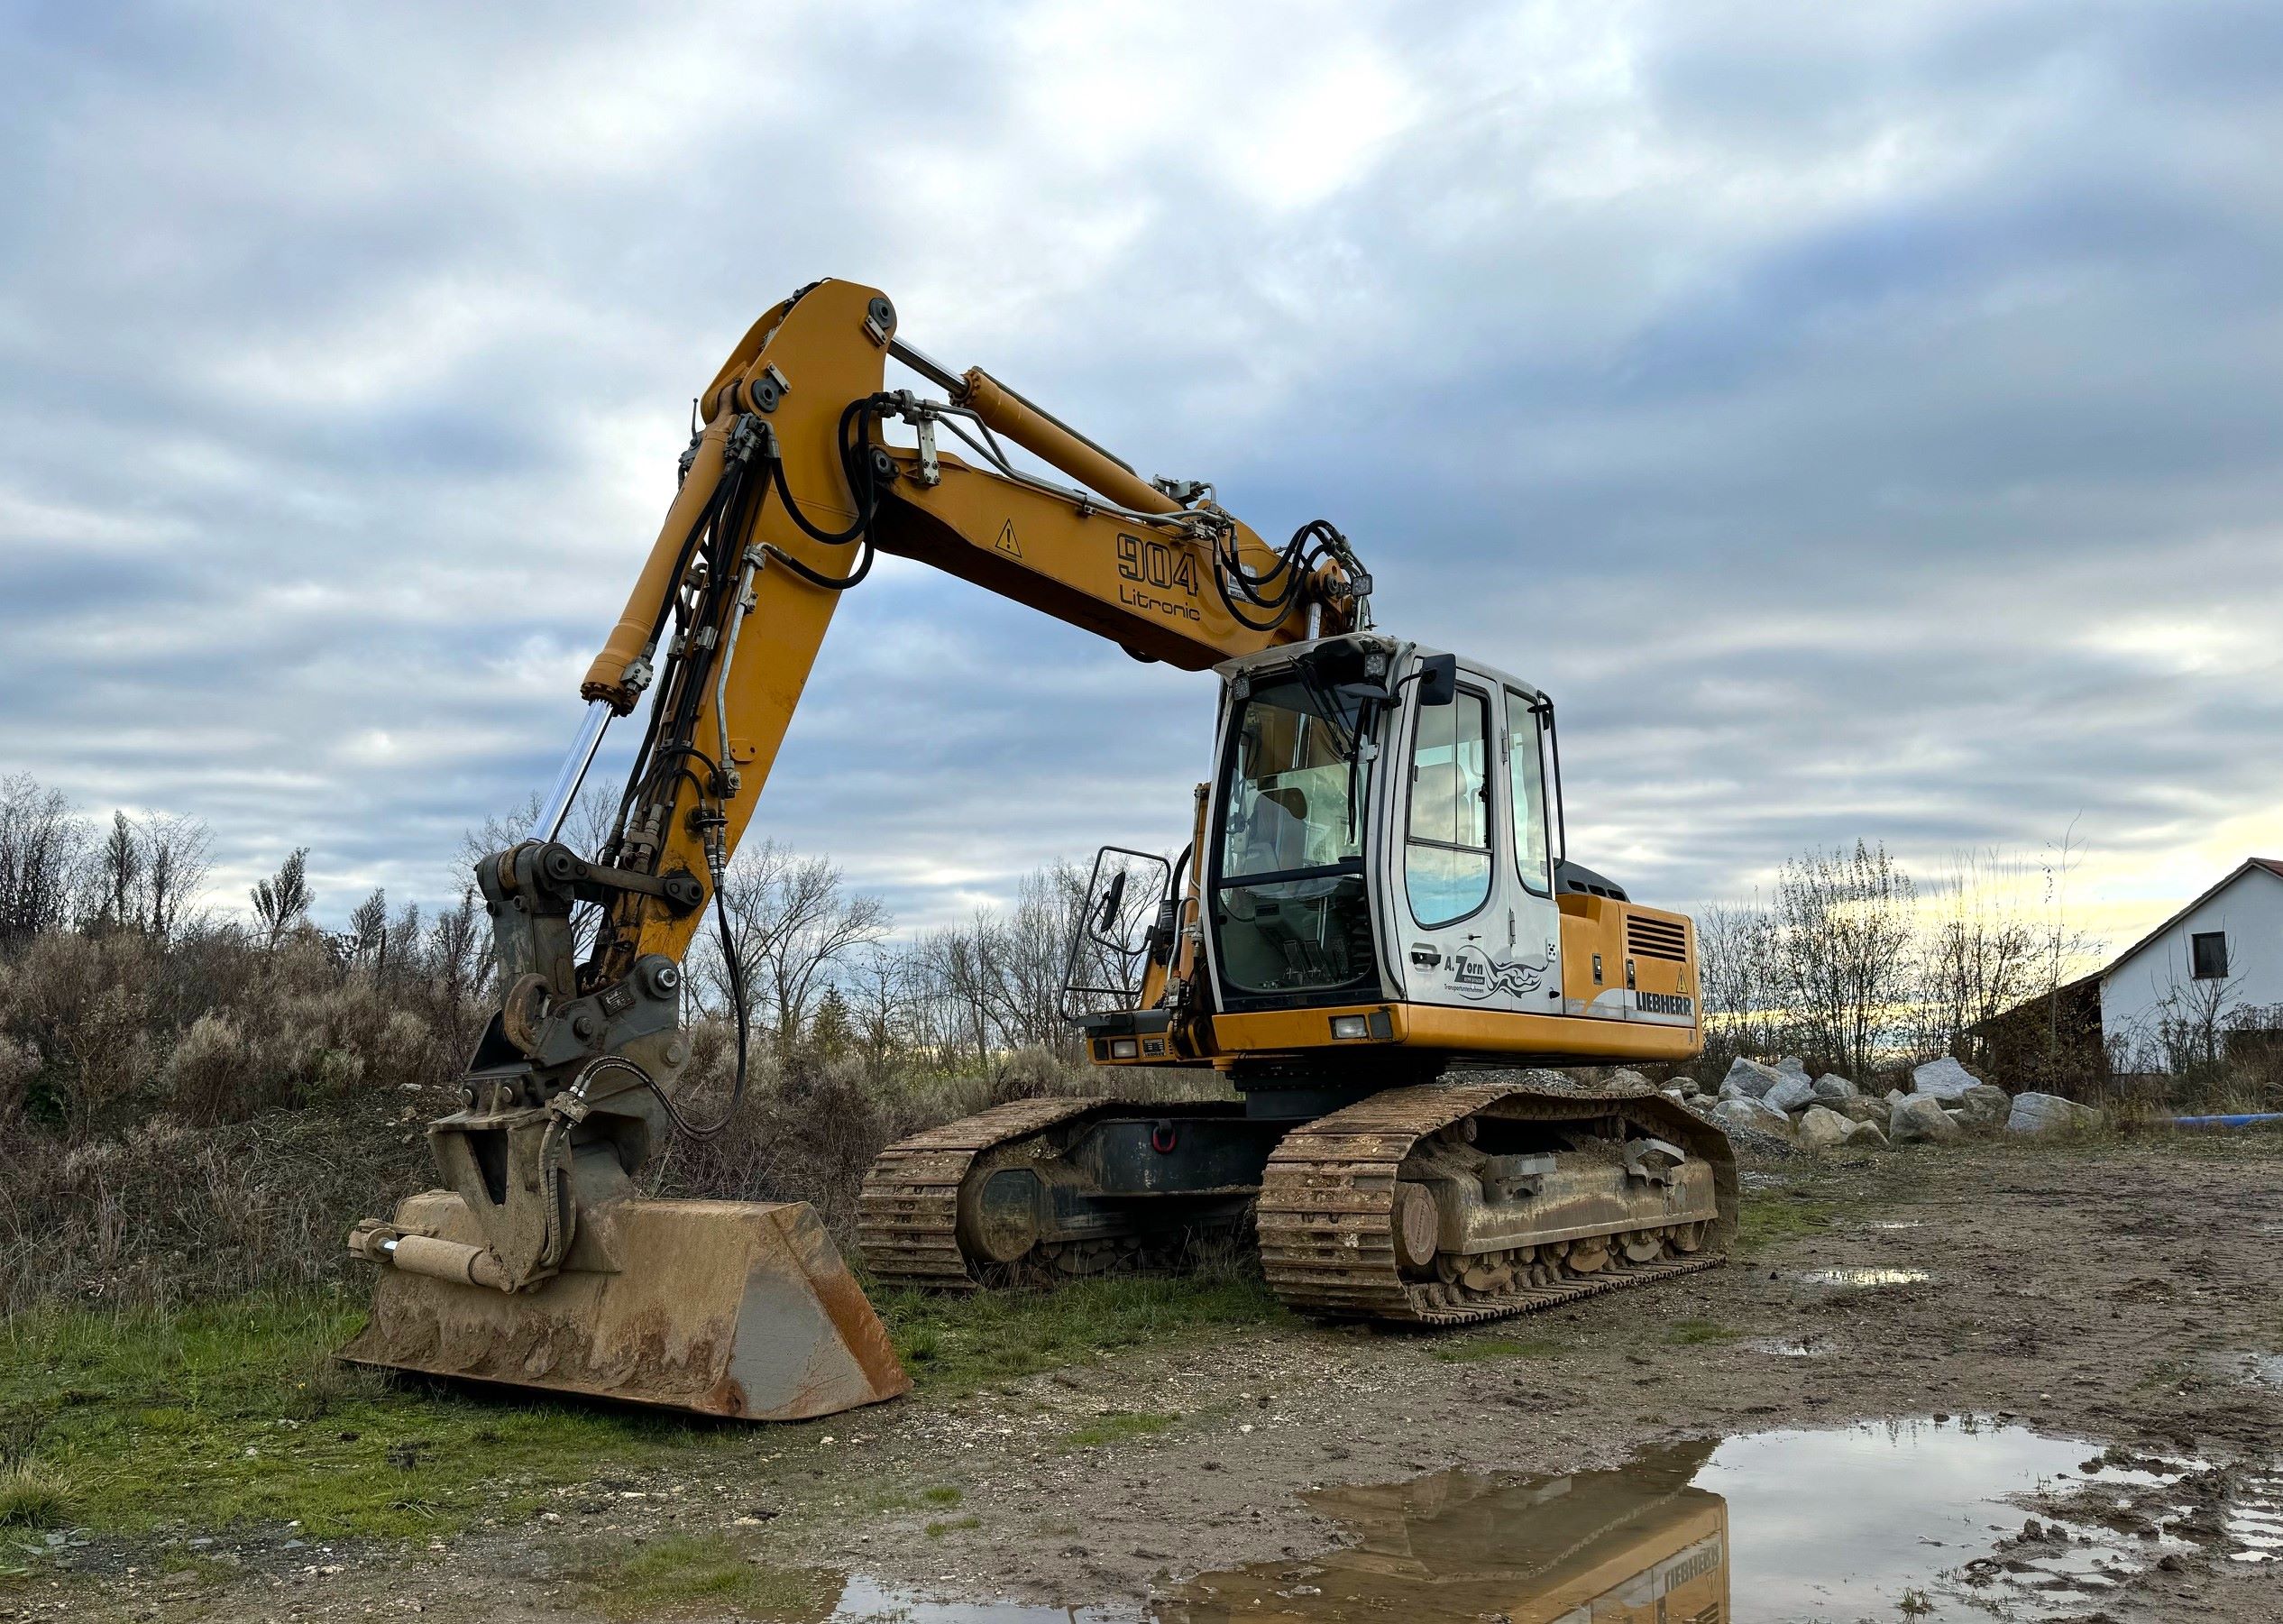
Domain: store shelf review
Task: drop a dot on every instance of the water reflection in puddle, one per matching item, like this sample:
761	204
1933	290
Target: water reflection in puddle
1804	1347
1862	1276
2255	1521
1767	1528
870	1603
2266	1369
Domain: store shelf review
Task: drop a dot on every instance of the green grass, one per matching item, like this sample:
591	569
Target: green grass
937	1530
235	1413
1480	1350
685	1571
29	1501
1766	1217
1119	1427
880	1502
954	1346
1700	1333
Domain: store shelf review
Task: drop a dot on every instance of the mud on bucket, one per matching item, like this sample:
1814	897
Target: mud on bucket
720	1307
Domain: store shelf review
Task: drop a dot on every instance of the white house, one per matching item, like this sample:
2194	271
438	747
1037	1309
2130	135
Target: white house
2220	956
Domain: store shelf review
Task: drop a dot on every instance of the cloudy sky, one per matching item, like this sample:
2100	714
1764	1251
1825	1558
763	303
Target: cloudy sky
1864	420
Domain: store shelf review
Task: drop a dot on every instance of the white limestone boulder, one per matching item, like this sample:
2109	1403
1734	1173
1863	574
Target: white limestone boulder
1794	1093
1748	1080
1824	1129
1920	1119
1754	1116
1945	1080
2049	1114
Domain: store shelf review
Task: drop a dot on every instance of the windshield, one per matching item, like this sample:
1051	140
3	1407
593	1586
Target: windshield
1292	824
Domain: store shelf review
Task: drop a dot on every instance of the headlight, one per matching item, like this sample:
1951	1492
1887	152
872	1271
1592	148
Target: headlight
1124	1049
1349	1026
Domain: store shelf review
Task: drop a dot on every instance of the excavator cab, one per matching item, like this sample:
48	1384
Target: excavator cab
1379	837
1378	889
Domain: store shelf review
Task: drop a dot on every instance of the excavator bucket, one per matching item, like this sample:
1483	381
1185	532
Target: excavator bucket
720	1307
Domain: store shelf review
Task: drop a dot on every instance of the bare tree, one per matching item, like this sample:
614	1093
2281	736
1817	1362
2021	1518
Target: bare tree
174	870
456	957
283	901
118	875
1739	979
1843	949
953	1006
793	921
880	1003
41	845
1982	952
401	943
2186	1032
366	943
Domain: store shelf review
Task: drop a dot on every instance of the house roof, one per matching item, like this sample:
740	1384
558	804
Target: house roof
2083	986
2273	866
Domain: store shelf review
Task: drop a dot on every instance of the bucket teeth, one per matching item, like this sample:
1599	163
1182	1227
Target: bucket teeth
719	1308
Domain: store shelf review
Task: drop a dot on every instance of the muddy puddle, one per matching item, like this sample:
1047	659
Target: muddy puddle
1858	1277
2265	1369
1788	1347
1936	1522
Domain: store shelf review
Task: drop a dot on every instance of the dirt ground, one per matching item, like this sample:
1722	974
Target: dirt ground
2084	1293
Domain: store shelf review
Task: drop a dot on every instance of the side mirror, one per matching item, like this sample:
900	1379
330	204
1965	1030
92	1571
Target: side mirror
1438	679
1112	899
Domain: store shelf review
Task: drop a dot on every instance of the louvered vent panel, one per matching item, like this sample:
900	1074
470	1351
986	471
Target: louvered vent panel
1654	939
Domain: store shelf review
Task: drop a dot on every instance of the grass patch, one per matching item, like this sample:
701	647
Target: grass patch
235	1413
880	1502
956	1345
1480	1350
937	1530
686	1570
27	1500
1119	1427
1765	1219
1700	1333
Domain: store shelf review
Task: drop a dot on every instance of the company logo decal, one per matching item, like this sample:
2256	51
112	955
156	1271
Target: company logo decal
1474	975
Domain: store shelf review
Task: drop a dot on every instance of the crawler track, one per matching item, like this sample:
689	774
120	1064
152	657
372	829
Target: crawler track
908	1213
1324	1217
1326	1207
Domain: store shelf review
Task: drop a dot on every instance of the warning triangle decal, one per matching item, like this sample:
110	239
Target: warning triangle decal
1006	543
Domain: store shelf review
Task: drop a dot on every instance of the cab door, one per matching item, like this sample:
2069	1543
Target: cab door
1459	910
1534	919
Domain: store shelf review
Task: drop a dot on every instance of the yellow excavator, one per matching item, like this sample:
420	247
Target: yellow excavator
1376	921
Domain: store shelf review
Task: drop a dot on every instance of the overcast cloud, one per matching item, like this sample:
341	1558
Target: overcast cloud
1864	420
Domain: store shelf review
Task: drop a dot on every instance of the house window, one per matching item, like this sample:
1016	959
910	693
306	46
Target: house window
2207	954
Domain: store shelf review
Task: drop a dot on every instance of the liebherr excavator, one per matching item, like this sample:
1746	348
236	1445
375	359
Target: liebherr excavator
1376	903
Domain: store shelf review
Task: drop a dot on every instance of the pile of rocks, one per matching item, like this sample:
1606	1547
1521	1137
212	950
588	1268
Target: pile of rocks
1946	1103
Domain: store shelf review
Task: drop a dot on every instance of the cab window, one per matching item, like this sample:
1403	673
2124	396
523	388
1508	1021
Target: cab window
1525	802
1447	858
